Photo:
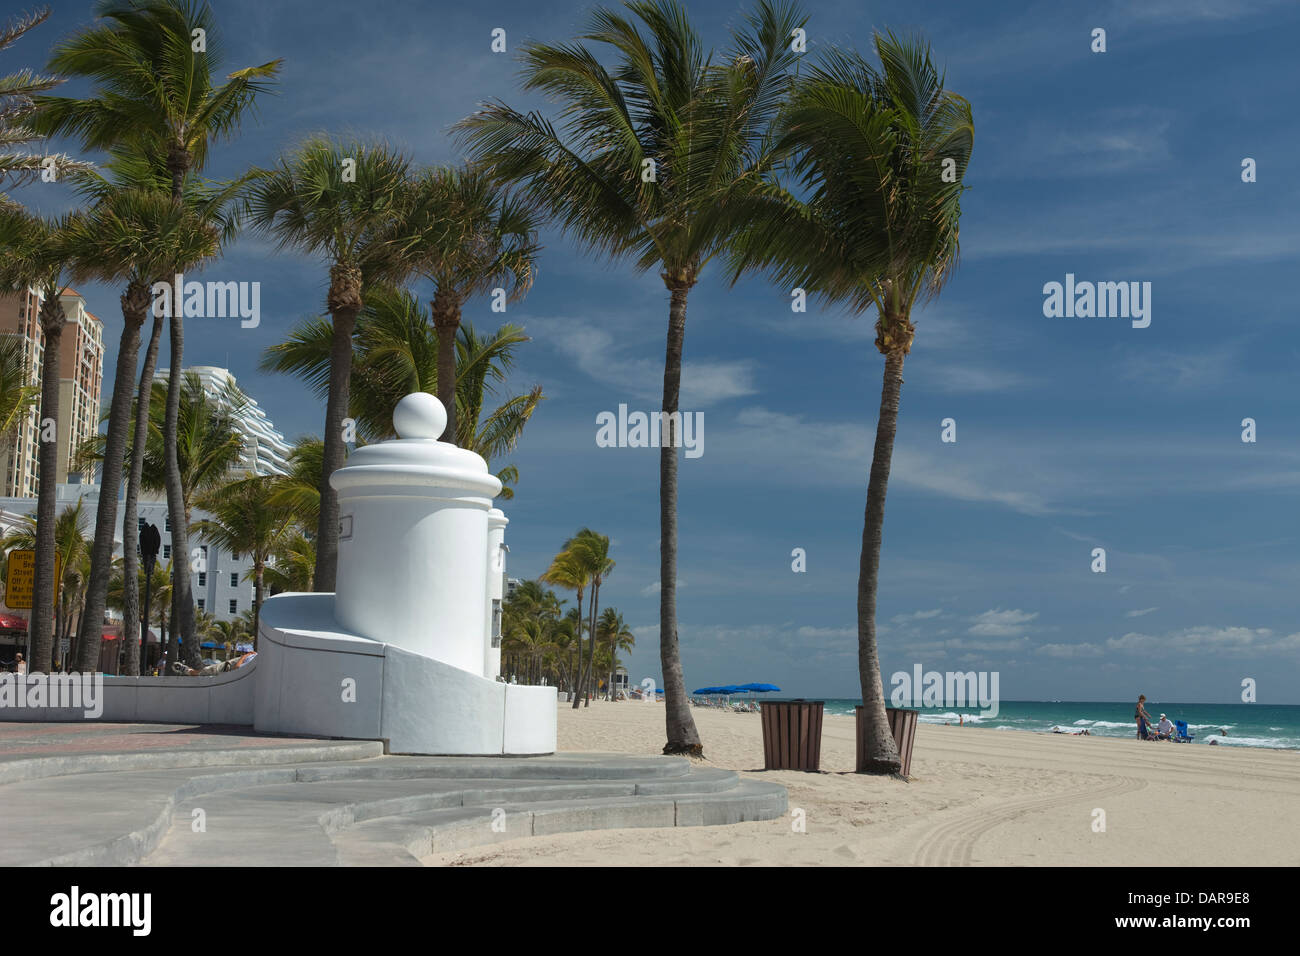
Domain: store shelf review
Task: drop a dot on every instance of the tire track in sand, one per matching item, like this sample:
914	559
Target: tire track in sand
952	843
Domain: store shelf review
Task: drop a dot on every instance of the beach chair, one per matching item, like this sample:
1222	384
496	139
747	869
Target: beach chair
1181	734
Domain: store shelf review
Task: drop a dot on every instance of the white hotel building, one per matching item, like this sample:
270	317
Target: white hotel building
221	589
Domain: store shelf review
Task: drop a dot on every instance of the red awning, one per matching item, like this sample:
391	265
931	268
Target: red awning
110	637
12	622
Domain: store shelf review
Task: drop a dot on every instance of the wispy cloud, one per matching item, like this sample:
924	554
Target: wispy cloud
618	361
1000	623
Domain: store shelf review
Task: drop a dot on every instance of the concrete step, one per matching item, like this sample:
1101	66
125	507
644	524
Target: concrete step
439	831
367	811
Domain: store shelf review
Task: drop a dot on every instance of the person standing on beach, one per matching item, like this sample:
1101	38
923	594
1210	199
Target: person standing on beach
1142	717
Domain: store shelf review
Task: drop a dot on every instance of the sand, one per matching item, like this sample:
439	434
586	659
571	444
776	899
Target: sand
976	797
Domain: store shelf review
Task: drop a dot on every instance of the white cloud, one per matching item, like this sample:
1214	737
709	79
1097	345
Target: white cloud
605	358
657	586
1069	650
999	623
916	616
1141	612
1223	641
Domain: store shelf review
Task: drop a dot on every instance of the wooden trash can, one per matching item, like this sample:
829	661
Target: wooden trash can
792	734
902	724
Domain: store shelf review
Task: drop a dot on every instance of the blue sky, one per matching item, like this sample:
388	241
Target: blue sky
1072	433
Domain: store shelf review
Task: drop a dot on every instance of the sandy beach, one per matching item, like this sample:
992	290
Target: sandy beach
976	797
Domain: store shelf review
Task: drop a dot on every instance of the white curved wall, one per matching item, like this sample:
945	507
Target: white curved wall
319	679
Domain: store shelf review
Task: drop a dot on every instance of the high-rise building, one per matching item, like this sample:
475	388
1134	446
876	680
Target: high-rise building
81	379
265	450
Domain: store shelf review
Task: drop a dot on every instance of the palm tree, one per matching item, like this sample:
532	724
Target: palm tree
38	252
71	548
294	559
395	352
17	92
245	520
568	572
17	394
869	146
590	551
154	94
339	200
209	444
134	234
495	244
299	490
613	632
649	162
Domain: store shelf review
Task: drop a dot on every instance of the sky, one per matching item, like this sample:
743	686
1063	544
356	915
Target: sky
1072	433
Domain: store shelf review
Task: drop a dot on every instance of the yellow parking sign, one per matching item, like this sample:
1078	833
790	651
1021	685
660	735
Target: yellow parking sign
21	578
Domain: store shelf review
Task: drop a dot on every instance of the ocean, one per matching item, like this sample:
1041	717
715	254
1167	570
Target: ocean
1247	725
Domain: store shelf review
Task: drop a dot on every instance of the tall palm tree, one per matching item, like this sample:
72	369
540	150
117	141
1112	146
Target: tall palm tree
614	633
339	200
870	146
645	164
495	246
17	93
208	445
154	93
590	551
395	352
39	252
133	235
246	520
568	572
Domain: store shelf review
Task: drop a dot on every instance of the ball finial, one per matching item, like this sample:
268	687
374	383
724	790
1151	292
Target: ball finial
419	415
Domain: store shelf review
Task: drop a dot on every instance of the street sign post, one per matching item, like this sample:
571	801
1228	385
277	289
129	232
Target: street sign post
21	578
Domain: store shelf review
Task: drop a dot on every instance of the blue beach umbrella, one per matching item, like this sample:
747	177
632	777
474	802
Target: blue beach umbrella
758	688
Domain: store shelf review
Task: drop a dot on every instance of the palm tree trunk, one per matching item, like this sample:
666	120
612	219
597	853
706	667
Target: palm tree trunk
446	320
135	304
881	754
131	509
344	303
257	601
44	584
182	597
591	631
682	735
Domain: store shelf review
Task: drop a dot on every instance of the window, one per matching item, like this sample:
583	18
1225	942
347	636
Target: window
203	578
141	522
167	551
234	606
167	523
201	600
234	579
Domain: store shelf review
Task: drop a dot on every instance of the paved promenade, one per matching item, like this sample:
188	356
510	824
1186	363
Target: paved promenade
175	795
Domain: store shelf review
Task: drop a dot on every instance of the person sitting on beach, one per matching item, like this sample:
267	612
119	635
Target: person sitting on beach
1164	729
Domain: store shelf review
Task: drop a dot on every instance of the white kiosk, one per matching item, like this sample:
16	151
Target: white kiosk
408	649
